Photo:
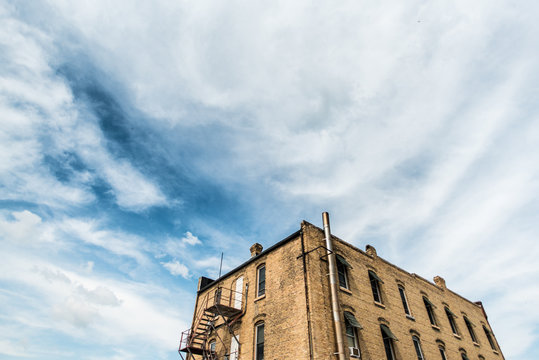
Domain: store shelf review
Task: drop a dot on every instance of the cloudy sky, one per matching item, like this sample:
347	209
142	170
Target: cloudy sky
139	140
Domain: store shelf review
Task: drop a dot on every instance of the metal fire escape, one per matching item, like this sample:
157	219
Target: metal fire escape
223	303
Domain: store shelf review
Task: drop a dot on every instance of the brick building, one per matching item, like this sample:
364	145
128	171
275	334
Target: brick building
314	296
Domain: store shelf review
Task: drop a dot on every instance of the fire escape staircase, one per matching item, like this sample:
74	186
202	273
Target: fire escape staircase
223	303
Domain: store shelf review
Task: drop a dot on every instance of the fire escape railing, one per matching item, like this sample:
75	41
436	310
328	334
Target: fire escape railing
222	302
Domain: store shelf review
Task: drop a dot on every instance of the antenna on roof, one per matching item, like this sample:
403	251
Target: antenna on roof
220	266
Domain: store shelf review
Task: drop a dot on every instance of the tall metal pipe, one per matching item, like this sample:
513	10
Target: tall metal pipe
334	287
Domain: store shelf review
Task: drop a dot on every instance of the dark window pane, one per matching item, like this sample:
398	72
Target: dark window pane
261	281
417	348
451	321
375	289
442	354
388	346
260	342
429	311
404	302
470	329
489	338
341	271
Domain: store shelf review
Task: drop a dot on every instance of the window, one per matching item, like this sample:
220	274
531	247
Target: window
442	353
218	295
469	325
234	347
464	356
404	301
451	317
417	346
389	340
259	348
212	349
489	338
261	284
342	266
375	285
351	326
430	311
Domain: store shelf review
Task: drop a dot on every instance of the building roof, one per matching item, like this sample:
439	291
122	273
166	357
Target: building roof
296	234
253	258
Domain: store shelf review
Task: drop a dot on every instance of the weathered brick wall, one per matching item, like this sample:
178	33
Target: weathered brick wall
284	306
359	300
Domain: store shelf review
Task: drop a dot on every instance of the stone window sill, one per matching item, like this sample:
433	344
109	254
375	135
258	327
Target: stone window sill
345	290
495	352
410	317
457	336
475	344
436	327
380	305
260	297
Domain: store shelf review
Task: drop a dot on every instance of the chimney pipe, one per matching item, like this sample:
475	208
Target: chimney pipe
256	249
334	287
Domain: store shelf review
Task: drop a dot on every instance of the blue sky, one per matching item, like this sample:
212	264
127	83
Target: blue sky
140	140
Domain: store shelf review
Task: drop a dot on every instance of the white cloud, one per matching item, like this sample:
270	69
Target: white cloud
176	268
24	228
41	119
413	123
190	239
116	242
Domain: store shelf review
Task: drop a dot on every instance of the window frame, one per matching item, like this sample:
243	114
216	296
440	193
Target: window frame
471	331
375	287
389	343
404	300
259	355
260	290
351	336
430	311
418	349
442	352
342	269
452	322
490	339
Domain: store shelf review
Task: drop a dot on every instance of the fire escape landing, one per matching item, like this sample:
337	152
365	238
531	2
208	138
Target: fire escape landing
223	303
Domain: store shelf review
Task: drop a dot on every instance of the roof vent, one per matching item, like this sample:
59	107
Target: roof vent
256	249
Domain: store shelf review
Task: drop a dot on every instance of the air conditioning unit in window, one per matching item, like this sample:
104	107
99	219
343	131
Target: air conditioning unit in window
354	352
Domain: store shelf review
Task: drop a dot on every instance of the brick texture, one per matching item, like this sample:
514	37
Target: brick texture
296	307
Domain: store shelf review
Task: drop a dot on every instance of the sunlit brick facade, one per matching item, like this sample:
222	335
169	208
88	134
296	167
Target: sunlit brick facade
276	305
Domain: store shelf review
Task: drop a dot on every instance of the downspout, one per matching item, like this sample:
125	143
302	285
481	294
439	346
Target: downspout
334	287
309	331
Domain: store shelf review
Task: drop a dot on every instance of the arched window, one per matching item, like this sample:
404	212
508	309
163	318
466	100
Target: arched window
351	327
442	353
342	271
469	325
430	311
417	346
404	301
261	280
211	348
389	342
259	341
489	338
451	317
375	285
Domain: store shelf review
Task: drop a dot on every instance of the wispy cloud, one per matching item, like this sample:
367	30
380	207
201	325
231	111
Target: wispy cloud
137	139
